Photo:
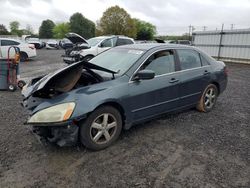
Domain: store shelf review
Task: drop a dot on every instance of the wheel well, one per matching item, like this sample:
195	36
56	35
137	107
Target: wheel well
90	55
217	85
116	106
22	52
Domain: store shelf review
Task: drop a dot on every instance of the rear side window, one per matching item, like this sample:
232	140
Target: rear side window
9	43
189	59
161	62
121	42
204	61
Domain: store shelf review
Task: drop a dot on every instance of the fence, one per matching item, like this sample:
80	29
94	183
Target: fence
227	45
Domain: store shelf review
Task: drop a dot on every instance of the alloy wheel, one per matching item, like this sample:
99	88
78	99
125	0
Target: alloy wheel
103	128
210	98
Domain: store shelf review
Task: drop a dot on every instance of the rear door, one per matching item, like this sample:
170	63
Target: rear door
158	95
194	76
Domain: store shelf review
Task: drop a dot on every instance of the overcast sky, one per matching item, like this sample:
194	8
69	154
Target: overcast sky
169	16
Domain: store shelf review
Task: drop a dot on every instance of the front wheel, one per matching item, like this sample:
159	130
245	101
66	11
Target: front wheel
101	128
208	98
88	57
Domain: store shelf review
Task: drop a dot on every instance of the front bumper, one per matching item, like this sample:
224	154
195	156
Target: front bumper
62	134
69	60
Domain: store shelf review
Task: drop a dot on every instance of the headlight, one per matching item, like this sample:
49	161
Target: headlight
57	113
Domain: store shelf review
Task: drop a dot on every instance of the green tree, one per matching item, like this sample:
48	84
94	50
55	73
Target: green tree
46	29
3	30
14	28
117	21
60	30
145	30
82	26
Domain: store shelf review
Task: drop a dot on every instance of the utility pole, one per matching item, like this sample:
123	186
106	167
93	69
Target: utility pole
232	26
220	44
189	30
204	28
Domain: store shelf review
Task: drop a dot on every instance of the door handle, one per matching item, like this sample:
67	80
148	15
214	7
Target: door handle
206	72
173	80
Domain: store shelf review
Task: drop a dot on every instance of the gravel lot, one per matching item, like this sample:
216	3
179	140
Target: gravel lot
188	149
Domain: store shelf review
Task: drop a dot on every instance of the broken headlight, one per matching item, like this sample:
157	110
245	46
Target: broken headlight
57	113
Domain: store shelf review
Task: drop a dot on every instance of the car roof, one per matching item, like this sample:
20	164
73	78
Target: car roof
148	46
110	36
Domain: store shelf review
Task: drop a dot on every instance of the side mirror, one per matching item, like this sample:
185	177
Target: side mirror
144	75
101	45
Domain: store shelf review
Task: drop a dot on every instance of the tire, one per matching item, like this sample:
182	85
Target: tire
102	127
23	56
21	83
12	88
88	57
208	99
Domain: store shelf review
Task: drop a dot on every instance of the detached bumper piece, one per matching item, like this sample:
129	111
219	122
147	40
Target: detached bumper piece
60	135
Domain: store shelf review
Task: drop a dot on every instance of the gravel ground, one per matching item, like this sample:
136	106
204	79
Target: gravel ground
187	149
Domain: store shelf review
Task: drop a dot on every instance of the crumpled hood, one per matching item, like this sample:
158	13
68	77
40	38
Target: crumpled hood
75	38
61	81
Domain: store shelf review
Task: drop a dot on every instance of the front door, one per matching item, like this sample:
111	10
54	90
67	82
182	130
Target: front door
158	95
106	44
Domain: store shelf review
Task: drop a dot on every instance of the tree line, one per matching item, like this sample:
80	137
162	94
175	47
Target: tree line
114	21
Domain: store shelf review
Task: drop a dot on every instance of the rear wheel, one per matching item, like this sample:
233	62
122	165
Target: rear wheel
101	128
23	56
208	99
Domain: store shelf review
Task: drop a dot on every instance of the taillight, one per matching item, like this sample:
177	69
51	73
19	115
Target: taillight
226	71
31	46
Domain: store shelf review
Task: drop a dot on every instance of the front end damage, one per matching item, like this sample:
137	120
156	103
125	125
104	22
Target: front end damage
65	134
51	101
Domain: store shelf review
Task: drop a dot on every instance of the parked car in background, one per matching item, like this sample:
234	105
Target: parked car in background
126	85
79	43
27	51
65	43
184	42
52	44
36	41
97	45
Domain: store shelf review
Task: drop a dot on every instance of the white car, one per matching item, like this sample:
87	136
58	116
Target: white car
36	41
52	44
95	46
27	51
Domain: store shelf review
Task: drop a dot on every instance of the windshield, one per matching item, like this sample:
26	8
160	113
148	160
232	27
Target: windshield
94	41
117	59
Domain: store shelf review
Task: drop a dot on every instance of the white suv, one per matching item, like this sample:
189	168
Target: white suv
27	51
96	46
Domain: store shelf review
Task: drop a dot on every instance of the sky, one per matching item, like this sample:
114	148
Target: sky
171	17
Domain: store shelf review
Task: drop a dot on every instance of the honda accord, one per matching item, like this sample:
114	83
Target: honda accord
92	102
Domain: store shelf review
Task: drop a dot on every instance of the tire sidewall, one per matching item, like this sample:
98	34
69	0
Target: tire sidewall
206	109
23	56
85	127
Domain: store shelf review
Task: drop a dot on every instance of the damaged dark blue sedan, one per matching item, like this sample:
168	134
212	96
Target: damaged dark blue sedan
93	101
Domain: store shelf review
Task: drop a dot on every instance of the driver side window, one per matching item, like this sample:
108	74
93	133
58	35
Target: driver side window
161	62
107	43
